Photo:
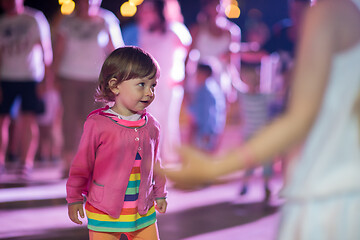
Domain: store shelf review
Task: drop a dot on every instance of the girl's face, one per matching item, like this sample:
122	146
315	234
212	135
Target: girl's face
134	95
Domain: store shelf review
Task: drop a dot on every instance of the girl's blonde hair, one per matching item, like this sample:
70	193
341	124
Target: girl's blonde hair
123	64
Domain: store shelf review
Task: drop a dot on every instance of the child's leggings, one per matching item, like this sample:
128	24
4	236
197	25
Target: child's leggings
148	233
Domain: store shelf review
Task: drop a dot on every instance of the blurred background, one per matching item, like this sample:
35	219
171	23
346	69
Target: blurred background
272	11
240	206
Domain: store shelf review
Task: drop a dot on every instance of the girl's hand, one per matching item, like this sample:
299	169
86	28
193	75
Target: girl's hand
198	168
161	205
74	210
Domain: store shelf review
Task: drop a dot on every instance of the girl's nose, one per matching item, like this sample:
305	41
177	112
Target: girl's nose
150	92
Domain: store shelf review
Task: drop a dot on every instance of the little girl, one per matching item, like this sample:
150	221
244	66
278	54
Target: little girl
113	170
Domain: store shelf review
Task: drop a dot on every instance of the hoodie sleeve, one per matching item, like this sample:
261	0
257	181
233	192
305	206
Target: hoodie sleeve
82	166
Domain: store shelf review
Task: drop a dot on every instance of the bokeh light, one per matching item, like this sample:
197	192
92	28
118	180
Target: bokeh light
61	2
136	2
67	7
128	9
232	11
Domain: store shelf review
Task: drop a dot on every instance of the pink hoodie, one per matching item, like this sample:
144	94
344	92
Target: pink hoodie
103	163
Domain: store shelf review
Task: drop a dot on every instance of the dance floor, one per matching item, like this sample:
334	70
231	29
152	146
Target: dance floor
36	209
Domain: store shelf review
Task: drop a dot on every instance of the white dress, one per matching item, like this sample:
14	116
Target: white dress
216	48
165	48
323	192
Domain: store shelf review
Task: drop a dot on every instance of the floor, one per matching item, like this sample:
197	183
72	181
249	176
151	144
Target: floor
36	209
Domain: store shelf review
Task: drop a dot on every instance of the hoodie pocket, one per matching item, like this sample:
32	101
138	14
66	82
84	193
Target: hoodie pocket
96	192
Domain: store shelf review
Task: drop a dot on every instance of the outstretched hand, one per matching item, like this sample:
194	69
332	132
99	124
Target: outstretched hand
198	168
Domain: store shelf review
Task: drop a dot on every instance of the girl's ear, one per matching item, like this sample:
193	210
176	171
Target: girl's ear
113	86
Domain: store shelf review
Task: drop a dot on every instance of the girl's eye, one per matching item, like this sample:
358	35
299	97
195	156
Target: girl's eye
141	84
153	86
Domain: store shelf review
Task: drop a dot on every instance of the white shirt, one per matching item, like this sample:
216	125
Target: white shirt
22	40
86	41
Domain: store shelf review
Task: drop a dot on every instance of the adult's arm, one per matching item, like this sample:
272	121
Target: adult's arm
315	50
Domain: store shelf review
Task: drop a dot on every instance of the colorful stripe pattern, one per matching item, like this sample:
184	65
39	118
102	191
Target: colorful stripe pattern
130	220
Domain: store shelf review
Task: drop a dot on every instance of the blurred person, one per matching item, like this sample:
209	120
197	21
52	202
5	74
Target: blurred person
215	36
285	34
13	151
168	41
83	39
272	62
254	105
257	33
323	118
208	109
50	126
283	37
118	153
254	100
26	54
283	41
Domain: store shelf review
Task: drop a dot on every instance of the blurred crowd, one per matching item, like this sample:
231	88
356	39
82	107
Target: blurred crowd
213	74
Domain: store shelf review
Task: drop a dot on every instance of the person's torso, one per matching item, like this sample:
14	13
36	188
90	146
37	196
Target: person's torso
162	46
254	111
165	48
210	45
330	160
85	49
20	44
209	107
